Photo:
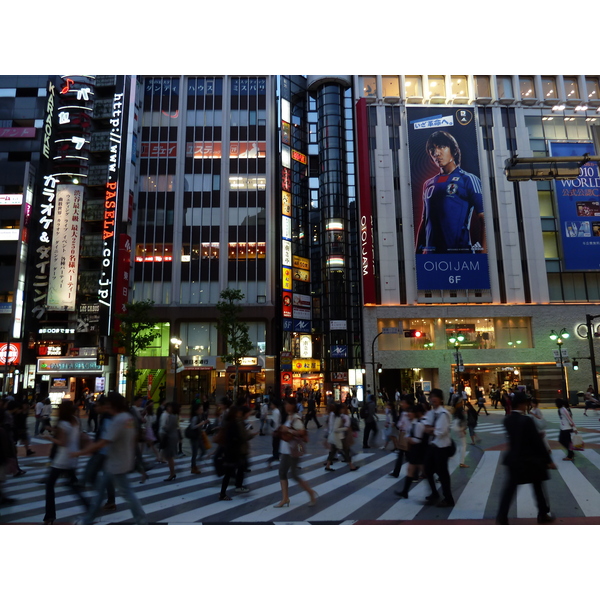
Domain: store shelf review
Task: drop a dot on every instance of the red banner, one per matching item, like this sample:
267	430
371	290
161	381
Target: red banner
367	262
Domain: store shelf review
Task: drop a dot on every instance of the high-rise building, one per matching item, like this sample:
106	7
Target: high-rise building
483	268
206	220
367	220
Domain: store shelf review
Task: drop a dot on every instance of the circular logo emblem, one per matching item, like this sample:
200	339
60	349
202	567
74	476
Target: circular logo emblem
452	188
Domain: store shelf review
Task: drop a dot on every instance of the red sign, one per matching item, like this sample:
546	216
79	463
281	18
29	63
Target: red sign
236	149
17	132
287	304
299	157
10	354
159	149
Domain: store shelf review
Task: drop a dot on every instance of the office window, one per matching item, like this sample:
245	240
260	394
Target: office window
593	88
369	86
527	88
483	87
391	86
437	85
550	244
549	87
505	87
571	88
413	86
459	86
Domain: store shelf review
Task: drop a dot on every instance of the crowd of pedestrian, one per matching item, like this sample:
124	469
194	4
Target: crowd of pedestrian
422	431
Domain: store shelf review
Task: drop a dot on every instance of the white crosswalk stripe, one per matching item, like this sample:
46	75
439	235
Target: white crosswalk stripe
344	496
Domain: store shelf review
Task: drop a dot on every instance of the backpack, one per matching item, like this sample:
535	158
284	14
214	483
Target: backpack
364	413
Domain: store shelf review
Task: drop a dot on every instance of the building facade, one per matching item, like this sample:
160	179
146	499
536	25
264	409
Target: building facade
455	249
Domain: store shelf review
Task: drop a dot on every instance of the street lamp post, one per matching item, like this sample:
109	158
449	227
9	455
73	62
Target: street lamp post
456	340
590	334
373	362
176	342
559	339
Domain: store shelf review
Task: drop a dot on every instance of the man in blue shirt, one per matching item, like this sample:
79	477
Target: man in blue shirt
449	201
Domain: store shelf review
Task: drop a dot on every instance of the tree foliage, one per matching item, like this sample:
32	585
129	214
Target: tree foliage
136	333
234	332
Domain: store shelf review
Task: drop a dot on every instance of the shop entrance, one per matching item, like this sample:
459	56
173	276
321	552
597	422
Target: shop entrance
542	381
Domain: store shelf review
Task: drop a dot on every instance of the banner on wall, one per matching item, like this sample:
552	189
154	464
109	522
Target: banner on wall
579	210
450	236
64	261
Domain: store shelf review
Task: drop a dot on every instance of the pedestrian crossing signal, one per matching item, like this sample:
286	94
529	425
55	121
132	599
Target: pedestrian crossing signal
575	365
413	333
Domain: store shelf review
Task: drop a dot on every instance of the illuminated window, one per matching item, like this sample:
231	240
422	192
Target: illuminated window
527	88
571	88
550	244
484	89
391	86
413	86
549	87
593	88
153	252
246	250
459	87
437	85
241	182
369	86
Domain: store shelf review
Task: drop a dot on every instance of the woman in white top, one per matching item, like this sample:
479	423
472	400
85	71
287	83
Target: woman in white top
567	426
335	433
68	432
274	423
292	427
416	447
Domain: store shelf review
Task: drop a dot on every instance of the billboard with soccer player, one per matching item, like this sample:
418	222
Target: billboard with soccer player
450	240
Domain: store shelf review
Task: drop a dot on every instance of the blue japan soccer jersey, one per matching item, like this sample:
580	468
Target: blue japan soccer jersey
448	204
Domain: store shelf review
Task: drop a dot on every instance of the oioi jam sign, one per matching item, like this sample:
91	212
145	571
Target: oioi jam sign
450	240
579	210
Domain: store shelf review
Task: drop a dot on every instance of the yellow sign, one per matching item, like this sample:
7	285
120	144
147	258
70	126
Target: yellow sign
286	204
301	275
300	262
286	279
306	366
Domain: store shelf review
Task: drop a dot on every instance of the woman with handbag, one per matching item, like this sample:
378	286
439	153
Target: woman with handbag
292	434
335	434
416	447
567	426
349	436
68	440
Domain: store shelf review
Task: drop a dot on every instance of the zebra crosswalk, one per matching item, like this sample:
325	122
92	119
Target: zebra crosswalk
343	496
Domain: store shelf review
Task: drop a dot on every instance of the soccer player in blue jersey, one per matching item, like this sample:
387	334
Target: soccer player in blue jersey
450	199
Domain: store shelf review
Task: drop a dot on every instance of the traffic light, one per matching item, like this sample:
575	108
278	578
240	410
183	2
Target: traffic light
410	333
379	367
575	365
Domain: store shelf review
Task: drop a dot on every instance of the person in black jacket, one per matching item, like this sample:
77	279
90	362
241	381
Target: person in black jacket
527	460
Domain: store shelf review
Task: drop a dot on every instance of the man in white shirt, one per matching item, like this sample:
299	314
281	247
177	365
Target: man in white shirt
437	425
120	438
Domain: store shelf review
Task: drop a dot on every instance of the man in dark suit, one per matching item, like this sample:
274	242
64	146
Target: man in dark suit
527	460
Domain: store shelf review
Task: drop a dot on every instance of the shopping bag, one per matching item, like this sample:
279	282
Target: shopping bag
577	442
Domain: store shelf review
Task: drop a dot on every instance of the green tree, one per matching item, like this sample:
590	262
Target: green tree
136	333
234	332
